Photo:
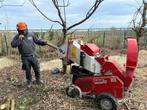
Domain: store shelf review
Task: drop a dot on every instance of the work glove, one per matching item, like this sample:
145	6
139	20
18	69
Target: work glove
21	36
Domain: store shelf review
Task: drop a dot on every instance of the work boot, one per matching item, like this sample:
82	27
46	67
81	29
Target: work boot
39	82
29	84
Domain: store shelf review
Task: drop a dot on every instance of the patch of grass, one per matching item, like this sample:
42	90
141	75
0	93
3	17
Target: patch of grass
26	101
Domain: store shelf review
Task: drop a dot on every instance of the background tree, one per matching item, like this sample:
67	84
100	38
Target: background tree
61	12
139	21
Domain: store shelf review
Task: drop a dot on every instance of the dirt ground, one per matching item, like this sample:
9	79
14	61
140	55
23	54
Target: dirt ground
6	62
52	95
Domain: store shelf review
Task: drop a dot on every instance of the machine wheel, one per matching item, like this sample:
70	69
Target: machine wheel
106	102
71	91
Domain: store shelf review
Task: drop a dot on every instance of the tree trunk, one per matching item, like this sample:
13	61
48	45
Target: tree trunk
138	41
64	60
64	65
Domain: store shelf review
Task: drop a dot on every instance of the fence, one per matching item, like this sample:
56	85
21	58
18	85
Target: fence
110	38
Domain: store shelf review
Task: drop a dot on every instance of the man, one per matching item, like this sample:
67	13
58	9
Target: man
25	41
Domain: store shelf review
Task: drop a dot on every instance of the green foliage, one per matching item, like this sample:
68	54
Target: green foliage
26	101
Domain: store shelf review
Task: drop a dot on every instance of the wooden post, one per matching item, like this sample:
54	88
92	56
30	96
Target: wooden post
43	49
6	44
38	47
124	39
88	33
2	44
104	35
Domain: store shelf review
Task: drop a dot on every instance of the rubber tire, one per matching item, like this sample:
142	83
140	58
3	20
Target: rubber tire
73	93
108	97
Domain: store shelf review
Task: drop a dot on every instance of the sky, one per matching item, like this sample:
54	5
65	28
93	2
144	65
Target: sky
110	13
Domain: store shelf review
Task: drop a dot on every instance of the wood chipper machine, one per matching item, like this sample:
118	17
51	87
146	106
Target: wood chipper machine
95	75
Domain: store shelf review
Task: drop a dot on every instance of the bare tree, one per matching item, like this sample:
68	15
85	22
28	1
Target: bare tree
62	16
63	21
139	21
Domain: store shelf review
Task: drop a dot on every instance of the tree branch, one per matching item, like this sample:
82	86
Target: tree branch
65	5
88	14
33	3
55	2
92	9
144	16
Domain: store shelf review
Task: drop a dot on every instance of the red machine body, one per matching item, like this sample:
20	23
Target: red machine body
95	85
90	49
114	79
106	79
